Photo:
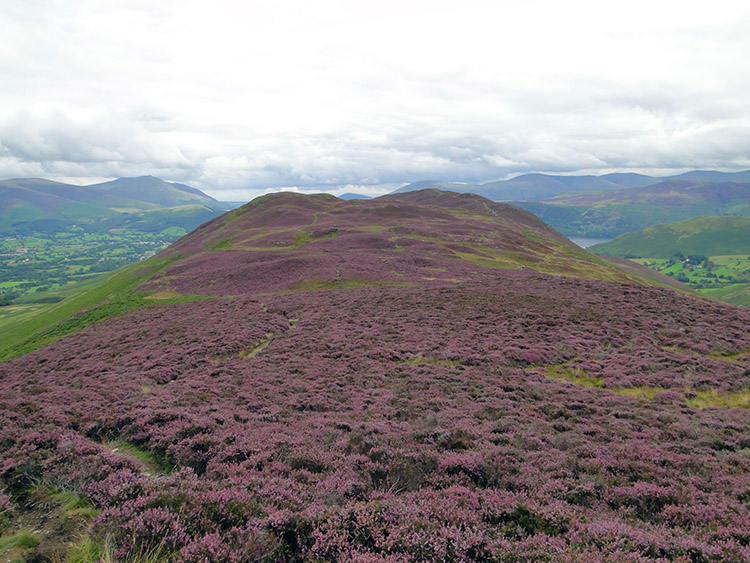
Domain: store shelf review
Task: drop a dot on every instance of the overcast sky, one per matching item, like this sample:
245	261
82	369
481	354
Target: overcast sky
235	97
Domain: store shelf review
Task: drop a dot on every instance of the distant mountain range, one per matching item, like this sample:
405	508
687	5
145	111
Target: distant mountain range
622	211
537	187
30	205
613	204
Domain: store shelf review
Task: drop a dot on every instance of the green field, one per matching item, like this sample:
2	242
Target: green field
47	277
34	268
709	254
725	278
712	236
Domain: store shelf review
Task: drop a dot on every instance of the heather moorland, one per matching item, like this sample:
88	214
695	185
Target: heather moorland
428	376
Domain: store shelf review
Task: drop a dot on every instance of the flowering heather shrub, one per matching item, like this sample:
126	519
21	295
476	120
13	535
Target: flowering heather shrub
394	423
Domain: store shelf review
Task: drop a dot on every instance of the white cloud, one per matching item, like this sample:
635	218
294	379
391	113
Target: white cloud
237	94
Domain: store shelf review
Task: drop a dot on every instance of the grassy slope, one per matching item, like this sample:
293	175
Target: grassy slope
725	240
735	294
34	328
702	235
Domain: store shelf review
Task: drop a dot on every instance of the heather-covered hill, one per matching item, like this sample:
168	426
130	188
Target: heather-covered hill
319	380
289	241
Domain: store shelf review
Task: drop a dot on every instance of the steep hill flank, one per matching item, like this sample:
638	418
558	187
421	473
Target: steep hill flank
704	235
290	241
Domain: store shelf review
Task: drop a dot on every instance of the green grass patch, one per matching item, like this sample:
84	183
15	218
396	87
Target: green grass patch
223	243
71	504
302	237
258	347
643	393
698	399
577	376
146	458
25	539
101	550
26	333
532	236
580	377
721	399
730	356
89	550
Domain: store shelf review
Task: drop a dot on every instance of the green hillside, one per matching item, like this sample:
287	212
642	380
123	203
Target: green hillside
703	235
29	206
710	254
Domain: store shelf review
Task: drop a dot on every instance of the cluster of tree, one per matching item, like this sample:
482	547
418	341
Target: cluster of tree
6	298
693	259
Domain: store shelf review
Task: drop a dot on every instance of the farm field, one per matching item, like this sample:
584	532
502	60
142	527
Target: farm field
33	266
726	278
709	254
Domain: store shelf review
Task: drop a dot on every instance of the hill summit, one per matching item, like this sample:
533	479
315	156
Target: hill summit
408	378
289	241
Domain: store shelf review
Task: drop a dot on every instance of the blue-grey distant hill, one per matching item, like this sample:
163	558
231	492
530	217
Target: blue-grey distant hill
537	187
350	195
30	205
613	204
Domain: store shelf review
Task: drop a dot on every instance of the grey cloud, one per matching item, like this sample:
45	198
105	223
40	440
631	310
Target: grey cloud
148	141
105	146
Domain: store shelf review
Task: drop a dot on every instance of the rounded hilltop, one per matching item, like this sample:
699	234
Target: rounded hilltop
289	241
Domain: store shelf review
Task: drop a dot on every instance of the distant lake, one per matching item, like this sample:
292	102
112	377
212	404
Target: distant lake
585	242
